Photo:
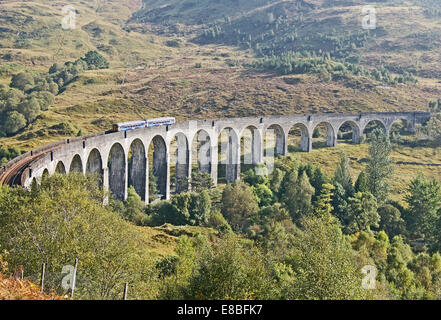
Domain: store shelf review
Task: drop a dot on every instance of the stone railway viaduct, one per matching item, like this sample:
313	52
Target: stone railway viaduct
121	158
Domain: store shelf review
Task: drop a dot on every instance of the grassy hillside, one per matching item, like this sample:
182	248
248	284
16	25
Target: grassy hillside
405	39
32	33
195	12
163	60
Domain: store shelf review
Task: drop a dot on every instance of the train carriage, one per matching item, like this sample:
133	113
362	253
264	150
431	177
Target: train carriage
132	125
160	122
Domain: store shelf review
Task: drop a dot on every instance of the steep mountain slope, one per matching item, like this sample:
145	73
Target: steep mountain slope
405	39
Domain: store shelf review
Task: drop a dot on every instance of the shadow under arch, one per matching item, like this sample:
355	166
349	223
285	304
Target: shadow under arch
274	137
250	148
117	171
60	168
201	151
299	137
94	165
45	173
400	129
34	183
371	126
138	168
318	134
76	165
179	162
158	166
349	131
228	155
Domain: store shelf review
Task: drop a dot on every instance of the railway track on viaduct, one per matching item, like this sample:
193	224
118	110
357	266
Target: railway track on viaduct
12	175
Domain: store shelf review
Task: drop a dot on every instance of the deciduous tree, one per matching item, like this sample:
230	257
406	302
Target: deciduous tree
238	204
297	194
363	215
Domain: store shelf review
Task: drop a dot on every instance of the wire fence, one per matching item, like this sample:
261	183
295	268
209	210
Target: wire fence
64	283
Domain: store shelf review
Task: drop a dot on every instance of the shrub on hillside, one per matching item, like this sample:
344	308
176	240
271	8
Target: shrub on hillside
14	122
95	60
173	43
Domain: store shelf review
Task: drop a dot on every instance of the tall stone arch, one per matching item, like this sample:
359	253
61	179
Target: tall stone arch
305	136
356	131
280	139
94	165
383	124
409	124
137	167
229	153
331	134
202	144
76	164
160	165
60	168
252	146
117	171
183	169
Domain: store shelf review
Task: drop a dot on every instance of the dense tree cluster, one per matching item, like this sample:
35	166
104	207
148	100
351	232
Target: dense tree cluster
7	154
29	93
63	74
22	102
63	218
325	67
273	32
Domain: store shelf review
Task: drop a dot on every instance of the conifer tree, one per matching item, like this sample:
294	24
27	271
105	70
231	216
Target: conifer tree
297	194
379	168
342	175
362	212
323	205
361	183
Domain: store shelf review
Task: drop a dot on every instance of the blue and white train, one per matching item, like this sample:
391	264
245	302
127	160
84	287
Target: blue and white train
125	126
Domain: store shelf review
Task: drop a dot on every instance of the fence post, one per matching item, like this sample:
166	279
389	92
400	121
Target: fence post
21	274
74	278
126	286
43	267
